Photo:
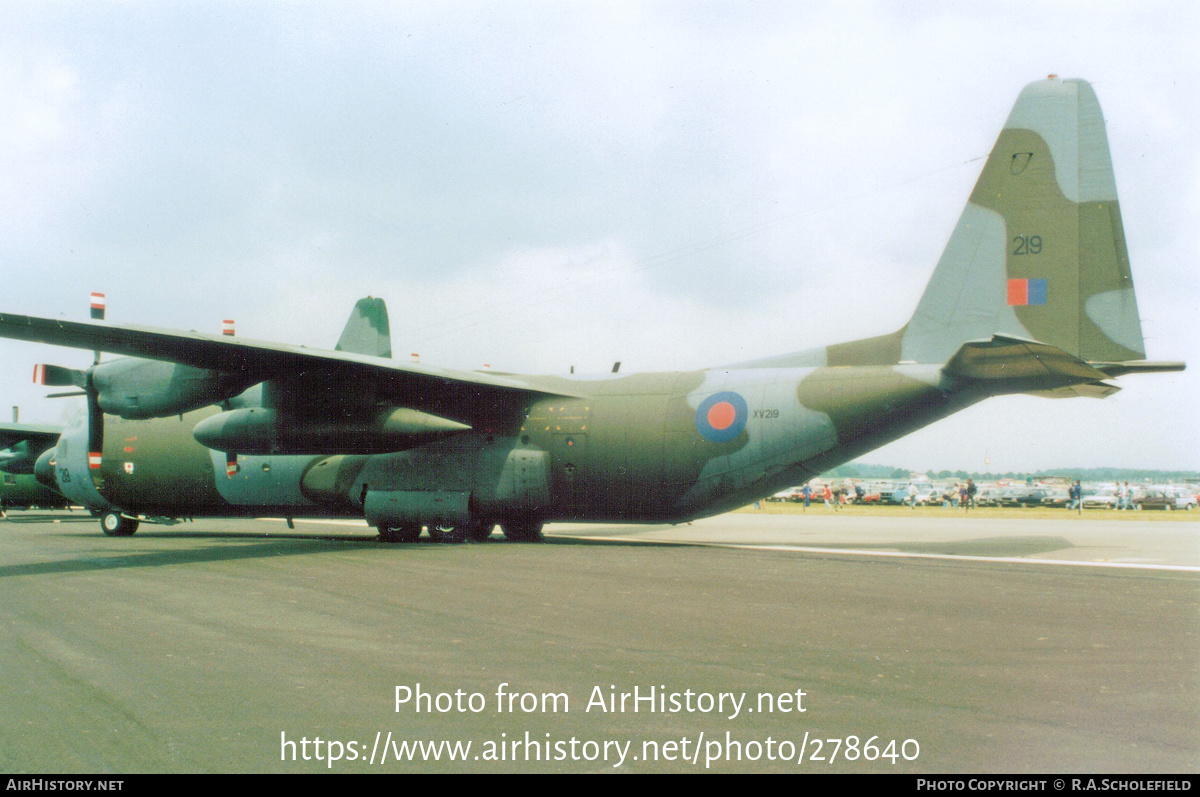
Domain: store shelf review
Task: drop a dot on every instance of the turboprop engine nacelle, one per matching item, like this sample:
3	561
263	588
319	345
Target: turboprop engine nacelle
17	460
261	431
137	389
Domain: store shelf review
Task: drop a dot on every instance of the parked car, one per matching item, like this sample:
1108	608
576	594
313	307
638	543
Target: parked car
988	496
1034	496
1057	499
1104	498
1021	496
1167	499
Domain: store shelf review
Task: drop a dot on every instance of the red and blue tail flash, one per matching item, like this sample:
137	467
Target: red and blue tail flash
1023	292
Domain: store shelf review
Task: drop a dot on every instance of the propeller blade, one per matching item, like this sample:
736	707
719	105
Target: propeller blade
99	303
95	427
57	376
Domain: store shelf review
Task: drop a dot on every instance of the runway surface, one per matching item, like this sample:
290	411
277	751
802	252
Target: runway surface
973	644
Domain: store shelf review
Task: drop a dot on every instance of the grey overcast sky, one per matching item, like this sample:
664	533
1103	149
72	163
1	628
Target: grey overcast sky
545	184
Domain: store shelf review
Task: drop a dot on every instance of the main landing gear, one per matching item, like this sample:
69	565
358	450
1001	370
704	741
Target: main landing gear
475	531
523	530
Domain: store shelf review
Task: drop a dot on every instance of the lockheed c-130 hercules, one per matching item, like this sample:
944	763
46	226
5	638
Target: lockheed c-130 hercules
1033	294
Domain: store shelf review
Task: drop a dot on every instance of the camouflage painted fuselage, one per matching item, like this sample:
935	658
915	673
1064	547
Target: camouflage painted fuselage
645	447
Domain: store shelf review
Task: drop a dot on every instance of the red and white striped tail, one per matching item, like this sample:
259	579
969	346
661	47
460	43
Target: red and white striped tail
93	459
227	327
231	465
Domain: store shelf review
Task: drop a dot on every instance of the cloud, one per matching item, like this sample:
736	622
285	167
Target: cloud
542	185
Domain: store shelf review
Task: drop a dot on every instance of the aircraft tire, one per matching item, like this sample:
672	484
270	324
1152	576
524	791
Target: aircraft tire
522	530
114	524
480	530
451	535
405	532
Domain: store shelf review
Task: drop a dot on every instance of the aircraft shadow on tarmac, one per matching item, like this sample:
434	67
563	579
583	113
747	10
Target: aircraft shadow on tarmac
55	518
111	560
269	545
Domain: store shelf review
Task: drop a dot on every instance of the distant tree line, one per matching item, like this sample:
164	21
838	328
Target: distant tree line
856	470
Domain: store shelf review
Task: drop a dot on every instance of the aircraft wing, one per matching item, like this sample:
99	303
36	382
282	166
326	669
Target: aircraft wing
21	444
42	437
297	367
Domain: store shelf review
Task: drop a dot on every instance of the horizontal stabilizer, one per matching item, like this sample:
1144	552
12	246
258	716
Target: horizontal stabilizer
1089	390
1139	367
1007	364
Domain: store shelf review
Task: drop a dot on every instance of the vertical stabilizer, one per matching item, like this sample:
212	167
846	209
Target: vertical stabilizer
367	331
1039	252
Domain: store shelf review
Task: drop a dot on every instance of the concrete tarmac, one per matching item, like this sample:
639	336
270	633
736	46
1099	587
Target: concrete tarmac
911	644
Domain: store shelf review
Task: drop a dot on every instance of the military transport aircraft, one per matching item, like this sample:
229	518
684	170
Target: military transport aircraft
20	446
1032	294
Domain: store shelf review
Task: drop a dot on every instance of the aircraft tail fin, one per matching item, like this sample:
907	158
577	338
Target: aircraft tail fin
1039	252
367	331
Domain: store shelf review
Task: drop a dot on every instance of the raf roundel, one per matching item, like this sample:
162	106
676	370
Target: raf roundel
721	417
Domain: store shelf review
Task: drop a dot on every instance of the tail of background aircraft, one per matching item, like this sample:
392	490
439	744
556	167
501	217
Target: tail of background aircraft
1036	273
367	331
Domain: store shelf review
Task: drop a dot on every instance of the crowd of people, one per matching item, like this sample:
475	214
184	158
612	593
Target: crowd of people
967	494
838	495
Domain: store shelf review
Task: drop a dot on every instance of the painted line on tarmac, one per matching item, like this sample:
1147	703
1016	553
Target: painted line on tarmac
965	558
322	521
936	556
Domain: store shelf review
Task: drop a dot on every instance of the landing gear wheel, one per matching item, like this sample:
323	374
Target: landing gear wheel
114	524
405	532
523	530
480	530
443	532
